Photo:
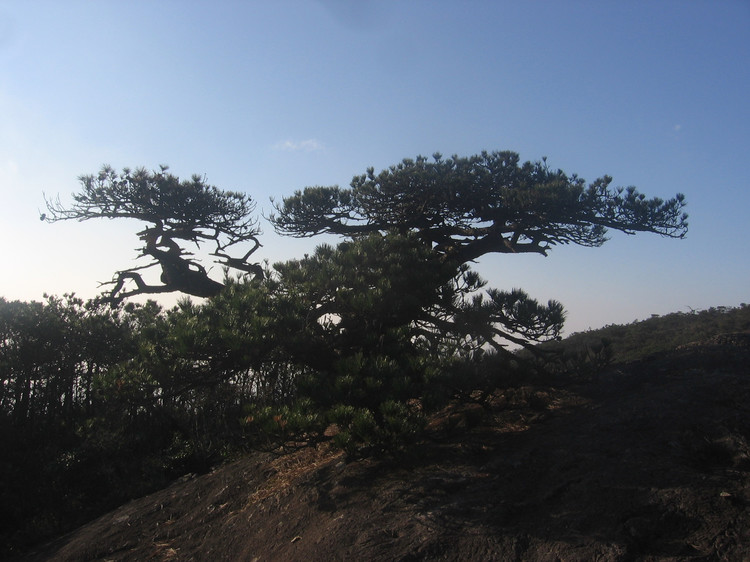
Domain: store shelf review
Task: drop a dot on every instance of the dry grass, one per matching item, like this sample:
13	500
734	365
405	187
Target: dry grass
288	469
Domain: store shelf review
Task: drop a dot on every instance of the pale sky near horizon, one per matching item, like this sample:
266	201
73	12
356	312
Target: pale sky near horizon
269	97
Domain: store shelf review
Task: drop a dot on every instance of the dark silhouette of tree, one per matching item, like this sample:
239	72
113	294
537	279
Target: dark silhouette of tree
177	212
401	289
98	405
487	203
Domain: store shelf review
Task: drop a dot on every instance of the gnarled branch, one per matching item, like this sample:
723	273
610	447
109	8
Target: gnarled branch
177	211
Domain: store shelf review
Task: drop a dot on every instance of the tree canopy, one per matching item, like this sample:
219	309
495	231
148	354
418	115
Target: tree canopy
177	212
357	342
466	207
373	332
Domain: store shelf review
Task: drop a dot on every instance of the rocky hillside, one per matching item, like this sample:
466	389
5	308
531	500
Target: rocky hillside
649	460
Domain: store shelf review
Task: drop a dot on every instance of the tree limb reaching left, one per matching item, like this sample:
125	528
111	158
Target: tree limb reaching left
177	212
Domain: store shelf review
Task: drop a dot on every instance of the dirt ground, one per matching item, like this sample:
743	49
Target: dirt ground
648	461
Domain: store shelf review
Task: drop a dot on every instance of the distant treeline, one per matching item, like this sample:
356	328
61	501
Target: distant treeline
641	338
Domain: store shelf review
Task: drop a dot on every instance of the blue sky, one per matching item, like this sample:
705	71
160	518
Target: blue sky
269	97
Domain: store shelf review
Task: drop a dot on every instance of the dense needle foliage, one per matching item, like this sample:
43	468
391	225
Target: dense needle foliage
177	213
358	342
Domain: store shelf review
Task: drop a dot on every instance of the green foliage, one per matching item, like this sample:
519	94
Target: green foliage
358	342
270	425
95	410
161	197
377	319
469	206
579	358
52	353
177	212
439	216
639	339
364	431
586	354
